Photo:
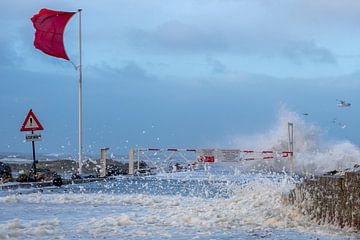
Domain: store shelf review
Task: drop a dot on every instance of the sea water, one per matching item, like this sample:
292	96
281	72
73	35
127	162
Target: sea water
203	204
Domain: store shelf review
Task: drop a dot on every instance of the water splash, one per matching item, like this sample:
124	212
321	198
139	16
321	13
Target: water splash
255	207
314	153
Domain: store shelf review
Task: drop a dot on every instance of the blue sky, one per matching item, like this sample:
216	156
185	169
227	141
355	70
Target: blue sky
189	73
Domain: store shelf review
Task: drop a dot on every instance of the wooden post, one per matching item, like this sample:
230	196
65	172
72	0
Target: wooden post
131	161
103	171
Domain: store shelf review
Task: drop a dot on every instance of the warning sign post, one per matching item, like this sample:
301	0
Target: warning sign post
32	124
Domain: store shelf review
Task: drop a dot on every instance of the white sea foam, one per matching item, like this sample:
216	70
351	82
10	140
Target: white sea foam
257	204
22	229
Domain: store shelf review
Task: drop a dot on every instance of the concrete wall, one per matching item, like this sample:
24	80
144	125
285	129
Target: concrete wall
330	199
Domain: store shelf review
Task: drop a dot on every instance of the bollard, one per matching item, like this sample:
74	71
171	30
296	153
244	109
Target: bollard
103	171
131	161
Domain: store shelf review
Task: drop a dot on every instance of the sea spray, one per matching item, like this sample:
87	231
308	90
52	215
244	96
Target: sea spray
313	154
254	203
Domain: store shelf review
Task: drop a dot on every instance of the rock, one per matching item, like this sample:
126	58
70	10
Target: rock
5	171
57	181
25	178
331	172
142	164
76	176
45	174
90	176
142	172
113	170
5	180
42	175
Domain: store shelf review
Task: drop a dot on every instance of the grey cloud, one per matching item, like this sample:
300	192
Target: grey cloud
8	54
307	50
308	15
29	8
214	28
216	65
174	37
129	71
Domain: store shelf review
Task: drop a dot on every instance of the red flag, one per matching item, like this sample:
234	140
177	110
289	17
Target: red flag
49	33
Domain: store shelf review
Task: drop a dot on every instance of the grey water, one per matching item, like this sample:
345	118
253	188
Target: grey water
203	204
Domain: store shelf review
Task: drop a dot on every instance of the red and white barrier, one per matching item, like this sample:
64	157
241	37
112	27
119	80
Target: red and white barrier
202	156
166	149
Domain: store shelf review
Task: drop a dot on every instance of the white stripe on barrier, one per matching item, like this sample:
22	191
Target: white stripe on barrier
196	150
205	156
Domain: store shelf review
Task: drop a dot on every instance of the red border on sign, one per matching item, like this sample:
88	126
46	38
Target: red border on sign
31	114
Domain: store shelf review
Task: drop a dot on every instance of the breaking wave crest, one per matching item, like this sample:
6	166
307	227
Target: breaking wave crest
313	153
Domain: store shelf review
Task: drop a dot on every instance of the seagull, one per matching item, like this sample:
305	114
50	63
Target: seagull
343	104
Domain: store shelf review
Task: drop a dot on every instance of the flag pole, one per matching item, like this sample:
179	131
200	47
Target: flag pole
80	97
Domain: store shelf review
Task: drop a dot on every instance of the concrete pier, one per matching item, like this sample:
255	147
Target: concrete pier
330	199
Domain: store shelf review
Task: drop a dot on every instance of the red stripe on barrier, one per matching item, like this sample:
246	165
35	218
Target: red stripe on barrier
191	150
153	149
267	152
172	149
267	157
249	159
248	151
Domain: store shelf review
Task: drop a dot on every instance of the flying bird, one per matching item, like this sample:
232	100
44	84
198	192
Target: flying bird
343	104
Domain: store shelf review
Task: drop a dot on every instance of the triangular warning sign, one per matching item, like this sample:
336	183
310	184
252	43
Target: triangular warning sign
31	123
